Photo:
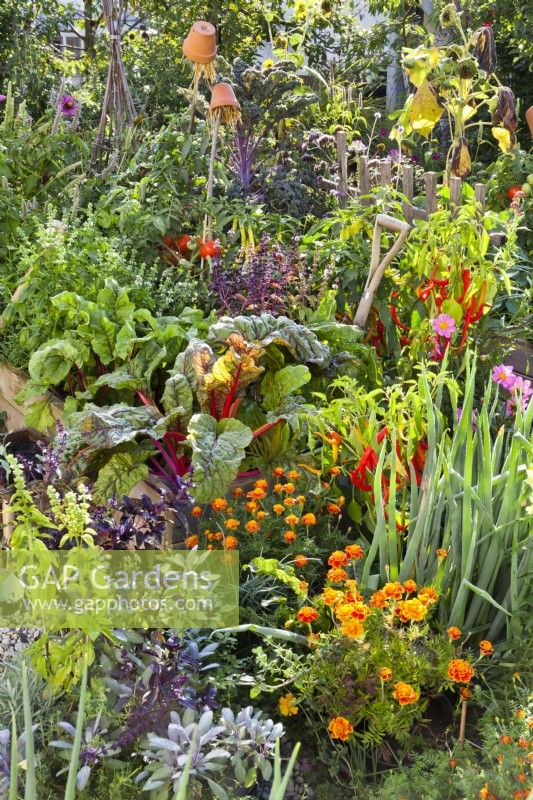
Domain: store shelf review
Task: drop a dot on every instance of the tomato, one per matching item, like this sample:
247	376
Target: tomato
530	179
168	241
512	191
209	248
182	243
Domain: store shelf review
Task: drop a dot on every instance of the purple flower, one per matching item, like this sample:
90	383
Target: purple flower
394	152
383	132
444	325
436	156
68	106
504	376
3	98
415	159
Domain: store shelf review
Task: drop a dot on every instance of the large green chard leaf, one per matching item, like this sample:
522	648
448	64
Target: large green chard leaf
124	469
339	337
267	329
277	386
115	301
195	362
178	397
103	340
119	381
147	360
52	362
39	415
217	451
73	306
113	425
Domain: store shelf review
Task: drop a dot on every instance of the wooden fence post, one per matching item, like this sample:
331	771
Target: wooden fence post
408	190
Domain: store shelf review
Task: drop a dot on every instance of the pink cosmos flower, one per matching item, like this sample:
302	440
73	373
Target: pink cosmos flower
444	325
504	376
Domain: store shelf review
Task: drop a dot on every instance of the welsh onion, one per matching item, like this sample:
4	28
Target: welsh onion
469	503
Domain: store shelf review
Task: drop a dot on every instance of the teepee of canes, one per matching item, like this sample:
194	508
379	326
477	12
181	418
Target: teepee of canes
200	49
118	110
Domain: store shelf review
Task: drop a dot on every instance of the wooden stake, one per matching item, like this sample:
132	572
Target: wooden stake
342	160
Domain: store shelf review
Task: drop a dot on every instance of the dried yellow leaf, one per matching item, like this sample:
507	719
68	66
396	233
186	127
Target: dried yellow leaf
425	110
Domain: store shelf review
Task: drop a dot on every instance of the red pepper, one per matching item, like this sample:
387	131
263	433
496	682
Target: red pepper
465	277
396	320
468	320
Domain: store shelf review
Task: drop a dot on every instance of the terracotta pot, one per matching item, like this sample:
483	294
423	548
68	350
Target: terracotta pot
200	45
222	95
529	119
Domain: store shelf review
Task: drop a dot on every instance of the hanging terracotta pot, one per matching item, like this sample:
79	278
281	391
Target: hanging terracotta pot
529	119
223	96
200	46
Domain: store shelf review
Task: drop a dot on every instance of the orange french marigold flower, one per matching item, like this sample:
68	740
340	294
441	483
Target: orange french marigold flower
326	486
454	633
293	475
278	472
288	705
453	763
411	610
309	519
409	586
465	693
338	559
394	591
290	536
230	543
300	560
261	515
442	552
300	499
218	536
219	504
486	648
385	674
238	492
292	519
278	487
252	526
340	728
307	614
256	494
523	743
330	597
252	506
303	585
232	524
484	793
506	739
354	551
333	508
191	541
460	671
427	595
289	488
278	509
261	484
210	547
405	694
352	628
378	599
289	502
337	575
520	713
355	610
196	511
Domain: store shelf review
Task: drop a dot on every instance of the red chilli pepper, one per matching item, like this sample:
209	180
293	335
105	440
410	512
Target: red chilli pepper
465	277
396	320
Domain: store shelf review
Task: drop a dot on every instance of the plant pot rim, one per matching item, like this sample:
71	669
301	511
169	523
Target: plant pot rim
200	45
222	94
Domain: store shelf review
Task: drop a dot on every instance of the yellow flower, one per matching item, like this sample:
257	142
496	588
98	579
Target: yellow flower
261	514
352	628
252	526
292	520
230	543
278	509
232	524
279	472
257	494
288	487
261	484
309	519
268	64
287	705
197	511
293	475
385	674
252	506
290	502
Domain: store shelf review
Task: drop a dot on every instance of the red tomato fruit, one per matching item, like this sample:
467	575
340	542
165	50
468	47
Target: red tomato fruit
182	243
512	191
209	248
